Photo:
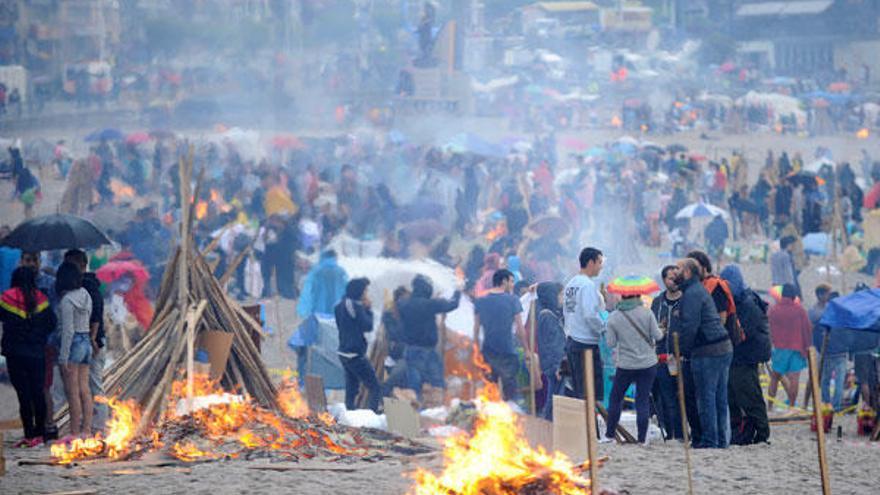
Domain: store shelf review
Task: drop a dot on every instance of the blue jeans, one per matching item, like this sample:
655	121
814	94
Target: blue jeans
710	380
644	380
423	365
834	364
553	387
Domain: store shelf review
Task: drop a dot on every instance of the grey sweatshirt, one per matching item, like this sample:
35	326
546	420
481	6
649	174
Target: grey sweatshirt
76	307
633	352
581	307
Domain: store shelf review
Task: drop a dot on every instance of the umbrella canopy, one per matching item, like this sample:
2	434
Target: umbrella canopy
858	311
676	148
633	285
105	135
58	231
137	138
805	178
574	143
694	210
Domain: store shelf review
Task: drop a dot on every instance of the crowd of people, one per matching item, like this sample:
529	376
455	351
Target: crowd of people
280	219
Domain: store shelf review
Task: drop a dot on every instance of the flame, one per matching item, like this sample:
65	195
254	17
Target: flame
188	452
290	399
863	133
121	430
497	460
616	122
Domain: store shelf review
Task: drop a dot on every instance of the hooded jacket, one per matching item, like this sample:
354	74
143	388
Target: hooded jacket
663	309
417	314
25	335
751	311
698	323
550	337
76	309
354	320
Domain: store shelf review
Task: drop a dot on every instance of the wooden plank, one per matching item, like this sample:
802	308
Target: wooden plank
218	346
592	437
2	455
538	432
315	397
75	492
820	429
10	424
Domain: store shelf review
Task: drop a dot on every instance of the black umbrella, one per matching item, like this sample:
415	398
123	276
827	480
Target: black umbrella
805	178
676	148
58	231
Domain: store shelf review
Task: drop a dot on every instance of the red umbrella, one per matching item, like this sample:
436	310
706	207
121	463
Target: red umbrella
839	87
287	142
575	144
698	157
137	138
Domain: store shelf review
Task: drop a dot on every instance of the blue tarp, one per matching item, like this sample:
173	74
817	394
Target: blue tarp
858	311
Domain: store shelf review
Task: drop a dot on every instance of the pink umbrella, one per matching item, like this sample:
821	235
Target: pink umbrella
137	138
287	142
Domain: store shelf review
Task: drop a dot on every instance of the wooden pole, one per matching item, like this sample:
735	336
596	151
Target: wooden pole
533	407
184	170
820	423
808	392
679	378
2	456
592	437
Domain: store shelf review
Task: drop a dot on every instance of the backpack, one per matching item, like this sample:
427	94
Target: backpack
734	329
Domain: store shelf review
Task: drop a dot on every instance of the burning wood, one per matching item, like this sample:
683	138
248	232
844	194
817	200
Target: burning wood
234	428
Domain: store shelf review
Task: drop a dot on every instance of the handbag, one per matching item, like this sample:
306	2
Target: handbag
636	327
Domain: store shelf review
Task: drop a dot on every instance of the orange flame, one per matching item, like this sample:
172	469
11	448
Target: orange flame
863	133
121	430
290	399
496	459
188	452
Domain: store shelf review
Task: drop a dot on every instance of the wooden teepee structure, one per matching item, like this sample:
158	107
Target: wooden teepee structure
191	300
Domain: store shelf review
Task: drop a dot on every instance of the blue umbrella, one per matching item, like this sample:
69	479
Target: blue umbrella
857	311
105	135
596	151
701	209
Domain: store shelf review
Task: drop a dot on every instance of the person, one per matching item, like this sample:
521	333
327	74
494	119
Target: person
718	288
395	364
716	234
46	285
323	288
791	335
584	326
354	318
832	344
704	341
632	333
782	270
27	322
748	412
418	315
75	352
8	261
823	295
496	313
665	386
97	335
550	341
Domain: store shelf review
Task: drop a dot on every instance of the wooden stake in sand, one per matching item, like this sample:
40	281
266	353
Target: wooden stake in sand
533	408
184	170
592	437
820	430
2	456
683	413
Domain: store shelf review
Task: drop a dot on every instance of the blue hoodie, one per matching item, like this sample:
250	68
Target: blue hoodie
323	288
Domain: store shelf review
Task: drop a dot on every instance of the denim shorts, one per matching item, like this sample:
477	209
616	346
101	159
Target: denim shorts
80	349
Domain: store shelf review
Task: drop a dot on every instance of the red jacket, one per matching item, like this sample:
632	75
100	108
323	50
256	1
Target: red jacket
790	326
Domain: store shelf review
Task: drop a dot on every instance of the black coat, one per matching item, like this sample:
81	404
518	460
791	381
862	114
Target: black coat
698	324
353	320
93	286
417	314
752	314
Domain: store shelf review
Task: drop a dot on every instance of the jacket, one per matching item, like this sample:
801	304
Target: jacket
354	321
22	335
697	322
323	288
633	352
93	286
550	338
76	309
790	326
418	313
582	306
663	310
751	312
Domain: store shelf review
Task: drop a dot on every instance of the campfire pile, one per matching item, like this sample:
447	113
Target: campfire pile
226	426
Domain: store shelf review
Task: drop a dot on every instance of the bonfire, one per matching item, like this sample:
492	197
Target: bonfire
227	426
496	459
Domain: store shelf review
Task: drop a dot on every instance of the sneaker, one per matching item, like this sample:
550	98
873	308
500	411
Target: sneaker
36	442
606	440
23	443
646	443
